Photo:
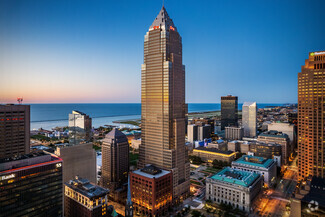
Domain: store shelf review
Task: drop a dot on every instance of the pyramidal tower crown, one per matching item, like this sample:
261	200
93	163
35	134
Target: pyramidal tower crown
163	21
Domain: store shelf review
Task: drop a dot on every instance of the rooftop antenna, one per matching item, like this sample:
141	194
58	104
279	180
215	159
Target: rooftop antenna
20	100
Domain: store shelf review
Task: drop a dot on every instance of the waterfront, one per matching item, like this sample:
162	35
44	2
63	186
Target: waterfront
47	116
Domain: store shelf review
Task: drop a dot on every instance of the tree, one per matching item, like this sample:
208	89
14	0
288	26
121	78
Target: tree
195	160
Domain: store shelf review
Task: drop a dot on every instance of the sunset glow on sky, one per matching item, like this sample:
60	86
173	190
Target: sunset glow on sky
92	51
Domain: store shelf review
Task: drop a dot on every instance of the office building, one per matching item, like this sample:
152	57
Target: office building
78	160
234	187
31	185
229	111
14	130
267	150
80	126
192	133
218	144
263	166
115	164
239	146
280	138
163	104
211	154
152	191
83	198
311	133
288	129
234	133
249	122
204	132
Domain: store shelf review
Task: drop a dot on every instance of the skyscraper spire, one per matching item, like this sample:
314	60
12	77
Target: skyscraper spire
129	205
163	21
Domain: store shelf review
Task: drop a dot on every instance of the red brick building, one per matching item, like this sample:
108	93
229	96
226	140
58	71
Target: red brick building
152	190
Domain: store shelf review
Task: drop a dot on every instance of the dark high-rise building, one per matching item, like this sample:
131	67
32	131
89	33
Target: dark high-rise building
163	103
31	185
83	198
229	111
14	130
311	117
115	164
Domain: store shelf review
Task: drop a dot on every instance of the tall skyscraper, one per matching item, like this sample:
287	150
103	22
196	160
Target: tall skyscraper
229	111
249	122
163	103
115	164
80	126
311	116
31	185
14	130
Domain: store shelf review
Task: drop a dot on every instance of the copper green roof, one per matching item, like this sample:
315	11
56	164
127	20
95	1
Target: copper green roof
236	176
255	161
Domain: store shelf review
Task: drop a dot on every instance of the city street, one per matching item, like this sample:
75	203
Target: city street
274	202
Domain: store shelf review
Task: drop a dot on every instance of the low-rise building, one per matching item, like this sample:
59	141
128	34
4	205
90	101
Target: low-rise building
277	137
82	198
135	143
211	154
265	167
239	146
267	150
151	190
234	187
288	129
219	144
234	133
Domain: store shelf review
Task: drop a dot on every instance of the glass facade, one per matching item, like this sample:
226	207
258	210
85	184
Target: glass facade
34	190
229	111
80	126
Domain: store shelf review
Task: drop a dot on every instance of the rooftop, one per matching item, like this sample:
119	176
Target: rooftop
249	104
151	171
214	150
255	161
236	176
163	20
274	133
22	161
84	187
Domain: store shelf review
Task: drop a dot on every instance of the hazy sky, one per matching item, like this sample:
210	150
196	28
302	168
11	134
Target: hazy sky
92	51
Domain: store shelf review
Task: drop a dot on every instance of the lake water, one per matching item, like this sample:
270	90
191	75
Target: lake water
48	116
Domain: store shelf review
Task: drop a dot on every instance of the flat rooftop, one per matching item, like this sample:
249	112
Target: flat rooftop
84	187
214	150
151	171
236	176
274	133
34	158
255	161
